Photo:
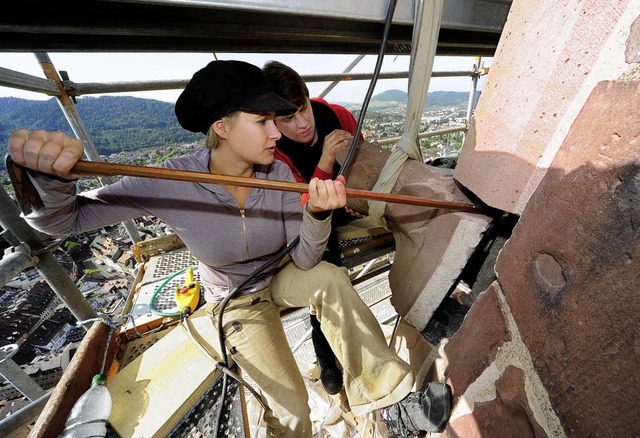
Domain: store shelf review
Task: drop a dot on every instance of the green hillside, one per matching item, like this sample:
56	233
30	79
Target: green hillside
435	99
124	123
115	123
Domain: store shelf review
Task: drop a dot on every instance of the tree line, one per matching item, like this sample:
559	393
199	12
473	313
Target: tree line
115	123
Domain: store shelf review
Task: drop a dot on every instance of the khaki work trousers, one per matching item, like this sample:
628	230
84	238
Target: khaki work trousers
374	376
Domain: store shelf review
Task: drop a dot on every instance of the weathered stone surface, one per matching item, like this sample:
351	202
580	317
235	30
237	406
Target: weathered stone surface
508	415
570	270
475	344
632	52
550	56
439	241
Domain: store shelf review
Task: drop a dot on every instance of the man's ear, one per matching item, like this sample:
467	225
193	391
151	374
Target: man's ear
221	127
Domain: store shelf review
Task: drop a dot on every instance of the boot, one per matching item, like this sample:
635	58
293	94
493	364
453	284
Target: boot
427	410
330	372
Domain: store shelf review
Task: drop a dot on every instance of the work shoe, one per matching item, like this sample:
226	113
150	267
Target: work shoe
330	376
427	410
330	372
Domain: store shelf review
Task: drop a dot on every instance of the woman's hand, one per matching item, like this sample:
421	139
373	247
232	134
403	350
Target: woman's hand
338	139
49	152
327	195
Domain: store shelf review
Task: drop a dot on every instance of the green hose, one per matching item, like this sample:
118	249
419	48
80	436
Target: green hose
159	289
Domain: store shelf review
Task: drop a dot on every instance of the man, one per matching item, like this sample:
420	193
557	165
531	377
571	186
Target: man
310	138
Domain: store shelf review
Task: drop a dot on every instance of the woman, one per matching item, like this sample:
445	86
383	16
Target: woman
232	231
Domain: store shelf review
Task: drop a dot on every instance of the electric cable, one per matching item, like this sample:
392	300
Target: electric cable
372	85
283	252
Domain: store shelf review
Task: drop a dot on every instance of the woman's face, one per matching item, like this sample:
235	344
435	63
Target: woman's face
299	126
253	136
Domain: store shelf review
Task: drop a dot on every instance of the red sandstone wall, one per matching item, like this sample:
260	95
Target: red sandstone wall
550	56
551	348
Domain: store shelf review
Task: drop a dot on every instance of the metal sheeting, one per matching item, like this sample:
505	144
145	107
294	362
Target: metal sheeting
469	27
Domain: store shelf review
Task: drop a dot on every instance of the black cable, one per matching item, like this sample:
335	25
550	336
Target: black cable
223	350
274	260
283	252
372	86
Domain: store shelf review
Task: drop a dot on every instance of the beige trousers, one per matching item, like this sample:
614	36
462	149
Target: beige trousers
374	376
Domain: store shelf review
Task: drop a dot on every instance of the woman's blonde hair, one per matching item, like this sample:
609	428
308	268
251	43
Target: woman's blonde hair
212	141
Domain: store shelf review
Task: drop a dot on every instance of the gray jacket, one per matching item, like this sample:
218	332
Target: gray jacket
228	242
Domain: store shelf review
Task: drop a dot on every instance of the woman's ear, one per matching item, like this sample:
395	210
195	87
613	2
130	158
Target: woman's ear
221	127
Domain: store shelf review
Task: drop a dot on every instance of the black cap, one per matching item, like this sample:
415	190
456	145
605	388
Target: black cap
225	86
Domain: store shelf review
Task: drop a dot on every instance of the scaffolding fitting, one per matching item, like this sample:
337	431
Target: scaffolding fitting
14	261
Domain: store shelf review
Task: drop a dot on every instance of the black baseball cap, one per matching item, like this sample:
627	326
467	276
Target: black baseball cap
223	87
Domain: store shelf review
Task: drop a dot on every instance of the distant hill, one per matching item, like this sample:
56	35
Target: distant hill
391	96
124	123
435	99
115	123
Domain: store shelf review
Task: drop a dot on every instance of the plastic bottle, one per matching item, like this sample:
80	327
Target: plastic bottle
88	417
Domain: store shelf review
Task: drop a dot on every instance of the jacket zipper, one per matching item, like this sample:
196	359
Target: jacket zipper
244	233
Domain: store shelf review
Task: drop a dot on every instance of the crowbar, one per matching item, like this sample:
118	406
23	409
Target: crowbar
97	168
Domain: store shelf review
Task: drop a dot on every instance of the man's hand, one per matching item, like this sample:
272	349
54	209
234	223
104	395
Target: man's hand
338	139
48	152
326	195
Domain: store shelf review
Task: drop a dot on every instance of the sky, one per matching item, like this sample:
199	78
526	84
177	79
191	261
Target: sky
118	67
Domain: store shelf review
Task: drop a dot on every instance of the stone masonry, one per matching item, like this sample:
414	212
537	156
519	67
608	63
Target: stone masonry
551	348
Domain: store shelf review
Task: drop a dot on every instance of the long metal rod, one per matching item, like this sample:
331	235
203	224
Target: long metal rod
392	140
74	120
59	280
472	93
350	67
18	377
23	81
111	169
23	417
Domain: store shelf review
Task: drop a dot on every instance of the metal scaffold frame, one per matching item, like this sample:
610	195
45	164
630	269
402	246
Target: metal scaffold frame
29	250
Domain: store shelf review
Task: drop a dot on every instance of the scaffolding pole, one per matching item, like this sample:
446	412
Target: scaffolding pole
337	81
47	265
13	79
24	416
15	375
74	120
472	93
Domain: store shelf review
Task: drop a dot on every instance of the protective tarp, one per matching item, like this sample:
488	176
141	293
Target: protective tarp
423	50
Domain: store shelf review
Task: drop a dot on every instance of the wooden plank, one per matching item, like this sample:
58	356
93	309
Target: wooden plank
155	391
86	363
143	251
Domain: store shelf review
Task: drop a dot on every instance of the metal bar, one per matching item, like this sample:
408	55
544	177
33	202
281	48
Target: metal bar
84	88
74	120
367	268
392	140
346	70
15	262
369	10
79	89
472	93
111	169
23	81
23	417
47	265
16	375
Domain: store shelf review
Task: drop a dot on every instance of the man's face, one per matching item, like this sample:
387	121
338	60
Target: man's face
299	126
